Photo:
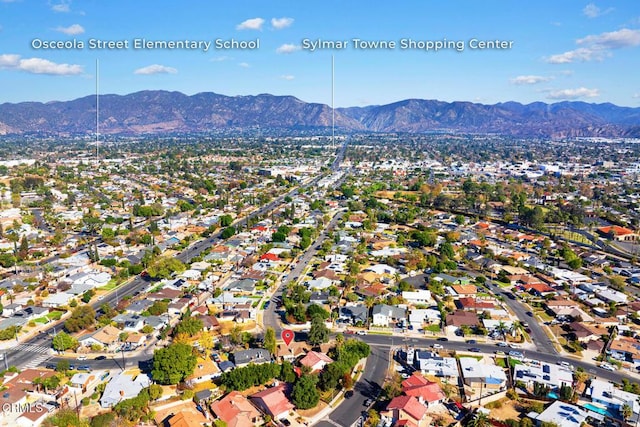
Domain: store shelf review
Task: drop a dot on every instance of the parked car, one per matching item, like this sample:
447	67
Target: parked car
82	357
100	358
361	332
474	350
85	368
607	367
443	339
437	346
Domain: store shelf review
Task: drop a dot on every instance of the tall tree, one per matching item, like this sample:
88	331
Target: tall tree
270	340
305	394
319	333
173	363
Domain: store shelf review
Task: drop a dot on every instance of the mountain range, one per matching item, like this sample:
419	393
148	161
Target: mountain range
163	112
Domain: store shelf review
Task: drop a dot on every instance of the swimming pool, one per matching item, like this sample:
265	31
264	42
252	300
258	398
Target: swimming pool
600	411
552	395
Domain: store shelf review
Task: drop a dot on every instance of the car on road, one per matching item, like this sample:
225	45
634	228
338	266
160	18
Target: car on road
85	368
267	304
516	354
443	339
437	346
474	350
502	344
348	394
82	357
50	366
367	402
530	314
607	367
100	357
361	332
471	342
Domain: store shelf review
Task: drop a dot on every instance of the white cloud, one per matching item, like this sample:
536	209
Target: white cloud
582	54
44	66
244	65
581	92
72	30
155	69
251	24
280	23
63	7
597	47
612	40
9	61
636	95
593	11
529	80
38	66
288	48
287	77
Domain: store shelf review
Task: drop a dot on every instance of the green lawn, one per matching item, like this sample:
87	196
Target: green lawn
113	283
54	315
433	328
572	235
41	320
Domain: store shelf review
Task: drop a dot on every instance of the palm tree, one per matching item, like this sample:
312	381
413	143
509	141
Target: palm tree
502	329
480	420
626	412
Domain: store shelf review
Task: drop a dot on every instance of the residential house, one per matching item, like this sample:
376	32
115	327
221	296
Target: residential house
205	370
252	355
552	375
585	333
315	361
626	350
561	414
106	337
429	363
123	386
424	316
406	410
462	290
236	411
461	318
384	315
427	392
354	314
273	401
417	297
482	376
607	394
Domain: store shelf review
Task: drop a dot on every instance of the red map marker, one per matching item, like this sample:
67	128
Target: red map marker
287	336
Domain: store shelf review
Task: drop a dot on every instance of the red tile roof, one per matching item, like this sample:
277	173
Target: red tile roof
409	405
235	410
274	400
418	386
313	357
615	230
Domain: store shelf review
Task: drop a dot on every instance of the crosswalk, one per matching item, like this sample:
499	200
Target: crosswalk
33	348
44	353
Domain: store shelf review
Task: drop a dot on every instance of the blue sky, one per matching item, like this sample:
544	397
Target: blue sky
561	50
